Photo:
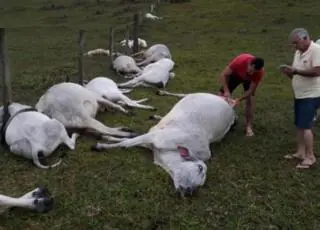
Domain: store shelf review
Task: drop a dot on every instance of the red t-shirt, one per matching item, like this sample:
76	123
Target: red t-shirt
239	66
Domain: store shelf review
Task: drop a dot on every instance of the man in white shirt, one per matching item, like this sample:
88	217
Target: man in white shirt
305	75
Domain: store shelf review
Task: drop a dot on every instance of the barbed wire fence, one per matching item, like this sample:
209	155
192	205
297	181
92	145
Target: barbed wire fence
6	83
129	31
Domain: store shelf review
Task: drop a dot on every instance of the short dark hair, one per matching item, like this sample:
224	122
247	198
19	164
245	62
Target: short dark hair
258	63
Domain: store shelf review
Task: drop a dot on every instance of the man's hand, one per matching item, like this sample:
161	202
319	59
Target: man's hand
234	102
226	94
227	97
231	102
288	70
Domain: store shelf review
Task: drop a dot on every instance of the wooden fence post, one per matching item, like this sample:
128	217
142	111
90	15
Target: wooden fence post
6	83
80	58
135	33
140	18
127	36
111	44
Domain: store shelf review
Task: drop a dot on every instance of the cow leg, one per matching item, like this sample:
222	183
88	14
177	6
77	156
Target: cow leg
166	93
105	130
106	102
141	140
155	117
114	139
134	104
125	90
37	199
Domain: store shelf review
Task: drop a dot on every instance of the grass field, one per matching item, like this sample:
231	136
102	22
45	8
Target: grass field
249	184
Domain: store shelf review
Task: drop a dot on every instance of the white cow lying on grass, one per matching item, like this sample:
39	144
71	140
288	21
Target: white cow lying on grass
141	42
98	52
76	107
180	141
106	88
154	53
31	134
157	73
152	17
38	200
122	64
101	52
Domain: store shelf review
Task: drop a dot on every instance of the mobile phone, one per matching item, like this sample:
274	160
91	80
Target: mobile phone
284	66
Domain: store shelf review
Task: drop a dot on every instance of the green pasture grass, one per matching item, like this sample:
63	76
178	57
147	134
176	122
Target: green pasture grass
249	184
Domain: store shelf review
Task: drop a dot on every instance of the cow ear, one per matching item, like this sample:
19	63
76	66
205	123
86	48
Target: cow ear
184	152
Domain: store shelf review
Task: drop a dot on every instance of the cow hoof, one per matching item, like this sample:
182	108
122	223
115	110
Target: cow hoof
99	137
234	126
120	86
95	148
43	204
41	192
154	109
159	92
151	117
185	192
160	85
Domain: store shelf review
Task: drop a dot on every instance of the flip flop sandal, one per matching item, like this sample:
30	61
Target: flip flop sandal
291	156
303	166
249	133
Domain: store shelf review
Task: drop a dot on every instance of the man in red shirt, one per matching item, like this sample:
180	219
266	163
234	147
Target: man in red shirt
248	70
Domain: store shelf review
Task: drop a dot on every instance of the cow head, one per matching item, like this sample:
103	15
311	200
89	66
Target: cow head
190	173
187	172
13	108
16	107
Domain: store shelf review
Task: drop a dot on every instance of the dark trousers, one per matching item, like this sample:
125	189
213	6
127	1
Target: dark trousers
304	111
233	82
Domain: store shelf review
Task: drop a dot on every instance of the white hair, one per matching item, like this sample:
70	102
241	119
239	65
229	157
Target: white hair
299	32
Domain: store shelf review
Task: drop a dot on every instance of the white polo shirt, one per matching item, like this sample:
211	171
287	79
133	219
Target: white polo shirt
306	87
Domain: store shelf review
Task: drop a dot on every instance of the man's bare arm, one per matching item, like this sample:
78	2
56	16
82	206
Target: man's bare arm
223	78
313	72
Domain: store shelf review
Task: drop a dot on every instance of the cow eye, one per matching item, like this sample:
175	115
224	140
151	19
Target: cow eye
200	168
